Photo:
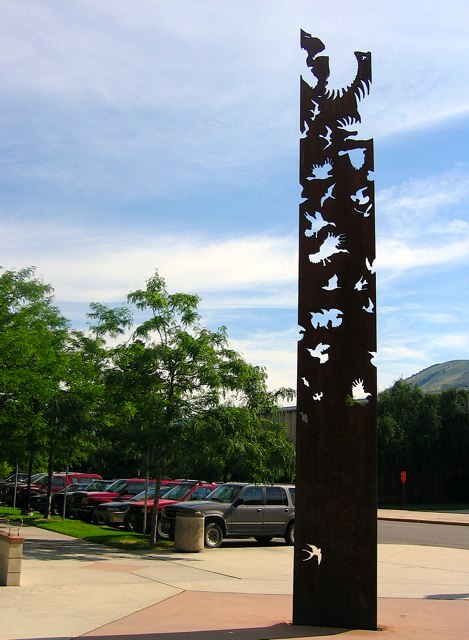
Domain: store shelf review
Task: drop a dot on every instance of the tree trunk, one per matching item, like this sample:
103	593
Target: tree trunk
154	518
50	473
26	507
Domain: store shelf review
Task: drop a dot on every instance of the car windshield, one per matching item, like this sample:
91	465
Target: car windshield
225	493
75	487
98	485
22	477
178	492
35	477
38	478
118	485
141	495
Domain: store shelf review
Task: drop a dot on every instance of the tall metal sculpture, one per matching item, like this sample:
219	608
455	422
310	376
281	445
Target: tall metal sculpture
335	547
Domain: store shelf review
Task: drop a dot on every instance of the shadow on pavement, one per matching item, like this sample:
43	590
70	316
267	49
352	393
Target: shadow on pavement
71	550
278	631
447	596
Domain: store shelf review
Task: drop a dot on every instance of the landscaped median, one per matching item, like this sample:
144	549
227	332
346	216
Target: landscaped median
116	538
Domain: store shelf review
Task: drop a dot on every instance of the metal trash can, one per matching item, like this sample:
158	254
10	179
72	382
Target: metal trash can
189	533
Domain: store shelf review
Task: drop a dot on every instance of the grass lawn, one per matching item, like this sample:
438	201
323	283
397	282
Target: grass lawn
116	538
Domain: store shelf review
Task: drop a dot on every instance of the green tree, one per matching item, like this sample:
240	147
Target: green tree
454	443
169	372
32	336
73	414
408	433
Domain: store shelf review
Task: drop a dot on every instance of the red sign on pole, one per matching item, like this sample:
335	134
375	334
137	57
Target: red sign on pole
403	477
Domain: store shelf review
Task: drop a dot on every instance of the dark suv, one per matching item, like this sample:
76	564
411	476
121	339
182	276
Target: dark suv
241	510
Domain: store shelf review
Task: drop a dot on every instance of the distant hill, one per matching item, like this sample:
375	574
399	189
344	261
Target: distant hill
454	373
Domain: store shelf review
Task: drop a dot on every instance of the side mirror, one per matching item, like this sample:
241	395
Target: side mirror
239	501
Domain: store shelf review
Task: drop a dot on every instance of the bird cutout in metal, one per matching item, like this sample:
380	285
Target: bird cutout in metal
317	223
319	352
358	391
370	307
328	248
313	552
327	318
361	284
328	195
332	283
370	265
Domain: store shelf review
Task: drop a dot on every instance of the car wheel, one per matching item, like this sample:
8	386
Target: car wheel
161	533
263	539
290	534
213	536
128	526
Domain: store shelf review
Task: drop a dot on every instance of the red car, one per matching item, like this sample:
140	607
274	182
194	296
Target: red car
58	483
186	490
82	503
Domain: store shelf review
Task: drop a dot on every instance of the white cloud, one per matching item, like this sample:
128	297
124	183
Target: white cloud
84	265
423	223
398	256
276	351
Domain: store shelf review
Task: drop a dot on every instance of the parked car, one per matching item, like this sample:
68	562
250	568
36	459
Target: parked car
58	483
20	477
186	490
8	490
38	502
7	486
241	510
113	513
82	503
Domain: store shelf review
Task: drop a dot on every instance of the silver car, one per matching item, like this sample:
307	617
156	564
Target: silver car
241	510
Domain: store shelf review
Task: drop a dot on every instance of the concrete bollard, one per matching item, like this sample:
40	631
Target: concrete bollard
189	533
11	553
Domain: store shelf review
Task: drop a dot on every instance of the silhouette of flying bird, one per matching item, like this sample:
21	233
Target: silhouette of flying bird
360	198
319	352
328	194
332	284
313	552
327	137
317	223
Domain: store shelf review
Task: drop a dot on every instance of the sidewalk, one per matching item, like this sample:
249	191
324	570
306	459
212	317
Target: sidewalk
241	591
435	517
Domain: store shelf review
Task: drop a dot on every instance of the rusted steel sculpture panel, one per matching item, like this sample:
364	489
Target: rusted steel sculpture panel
335	547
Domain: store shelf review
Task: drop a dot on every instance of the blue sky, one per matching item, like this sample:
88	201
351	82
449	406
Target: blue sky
164	135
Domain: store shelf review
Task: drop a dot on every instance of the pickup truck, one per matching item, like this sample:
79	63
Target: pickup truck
114	514
188	490
39	486
82	503
240	510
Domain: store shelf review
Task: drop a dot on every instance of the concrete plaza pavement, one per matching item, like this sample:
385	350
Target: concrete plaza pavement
242	591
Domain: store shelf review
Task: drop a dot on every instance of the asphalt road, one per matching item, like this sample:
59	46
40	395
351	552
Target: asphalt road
433	535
